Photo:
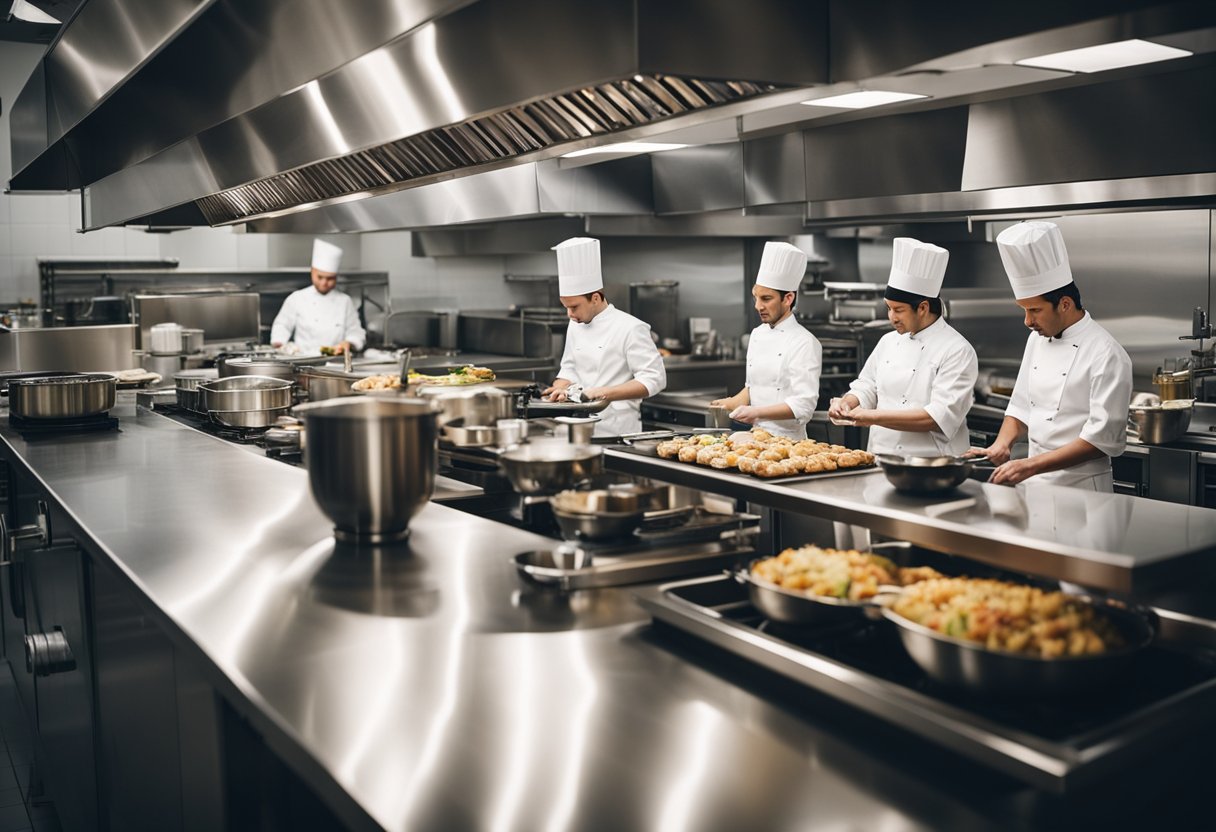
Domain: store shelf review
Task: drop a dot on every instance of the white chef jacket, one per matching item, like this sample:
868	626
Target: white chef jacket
932	370
783	365
318	320
1076	385
613	348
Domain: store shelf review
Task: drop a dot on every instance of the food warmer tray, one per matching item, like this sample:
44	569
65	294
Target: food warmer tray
1057	746
735	472
542	566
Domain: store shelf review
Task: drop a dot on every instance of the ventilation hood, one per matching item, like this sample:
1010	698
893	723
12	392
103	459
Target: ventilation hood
264	108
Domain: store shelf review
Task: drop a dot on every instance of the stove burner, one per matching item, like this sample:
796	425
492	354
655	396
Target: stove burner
30	428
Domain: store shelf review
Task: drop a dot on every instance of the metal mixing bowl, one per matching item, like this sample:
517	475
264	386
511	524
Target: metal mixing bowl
600	525
546	468
924	474
371	463
1160	424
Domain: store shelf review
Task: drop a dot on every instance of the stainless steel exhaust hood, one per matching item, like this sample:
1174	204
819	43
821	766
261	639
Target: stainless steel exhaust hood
397	95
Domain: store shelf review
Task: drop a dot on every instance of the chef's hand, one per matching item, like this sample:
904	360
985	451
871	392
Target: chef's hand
554	394
1013	472
997	453
860	416
841	408
746	413
594	394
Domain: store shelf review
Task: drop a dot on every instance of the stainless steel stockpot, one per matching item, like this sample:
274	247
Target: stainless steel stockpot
62	396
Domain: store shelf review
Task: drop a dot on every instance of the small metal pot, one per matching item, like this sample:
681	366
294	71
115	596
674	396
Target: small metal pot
320	385
546	468
480	406
192	341
600	525
470	436
579	431
924	474
187	382
1161	423
251	366
262	418
245	394
62	397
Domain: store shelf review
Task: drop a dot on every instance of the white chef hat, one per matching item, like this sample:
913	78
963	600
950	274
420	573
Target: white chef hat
1035	258
917	268
782	267
326	257
578	266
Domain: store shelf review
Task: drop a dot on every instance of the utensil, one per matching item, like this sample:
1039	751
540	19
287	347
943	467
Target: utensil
971	665
717	417
192	340
470	436
61	397
791	607
371	462
579	431
548	467
251	366
481	406
1159	424
187	382
260	418
926	475
320	384
246	394
600	525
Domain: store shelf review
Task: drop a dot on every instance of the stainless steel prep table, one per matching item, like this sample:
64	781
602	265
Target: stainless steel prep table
1109	541
496	705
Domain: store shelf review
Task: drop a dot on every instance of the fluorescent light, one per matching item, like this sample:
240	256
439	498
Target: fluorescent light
1106	56
625	147
863	98
30	13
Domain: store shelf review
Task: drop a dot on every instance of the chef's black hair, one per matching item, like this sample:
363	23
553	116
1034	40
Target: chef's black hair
913	300
599	292
1070	291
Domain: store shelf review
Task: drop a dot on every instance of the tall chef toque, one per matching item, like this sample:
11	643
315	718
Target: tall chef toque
917	270
326	257
781	267
1035	258
578	266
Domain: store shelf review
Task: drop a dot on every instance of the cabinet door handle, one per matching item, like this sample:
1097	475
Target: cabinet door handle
48	653
39	530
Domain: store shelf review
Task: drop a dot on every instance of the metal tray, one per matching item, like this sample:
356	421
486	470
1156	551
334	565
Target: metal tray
540	408
735	472
554	568
1057	747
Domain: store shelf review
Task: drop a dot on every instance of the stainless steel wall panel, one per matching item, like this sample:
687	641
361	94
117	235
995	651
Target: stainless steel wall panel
28	120
1135	127
619	187
77	348
774	170
698	179
223	317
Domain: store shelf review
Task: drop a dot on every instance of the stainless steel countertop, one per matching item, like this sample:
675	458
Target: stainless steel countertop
1108	541
478	703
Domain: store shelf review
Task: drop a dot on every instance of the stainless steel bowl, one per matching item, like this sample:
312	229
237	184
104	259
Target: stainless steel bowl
62	396
924	474
600	525
371	463
470	436
546	468
238	394
1160	424
477	406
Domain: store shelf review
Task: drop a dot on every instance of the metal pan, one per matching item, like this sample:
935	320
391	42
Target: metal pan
973	666
927	475
799	608
62	397
536	407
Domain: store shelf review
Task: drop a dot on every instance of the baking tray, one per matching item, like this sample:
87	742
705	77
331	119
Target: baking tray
541	408
540	567
735	472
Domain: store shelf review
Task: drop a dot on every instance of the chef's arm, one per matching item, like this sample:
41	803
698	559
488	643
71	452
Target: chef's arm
1074	453
913	421
557	390
998	452
632	389
731	402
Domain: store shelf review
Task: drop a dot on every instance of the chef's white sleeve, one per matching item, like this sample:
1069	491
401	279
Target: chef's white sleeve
1110	393
284	322
644	360
804	366
355	333
865	386
1019	401
953	389
566	370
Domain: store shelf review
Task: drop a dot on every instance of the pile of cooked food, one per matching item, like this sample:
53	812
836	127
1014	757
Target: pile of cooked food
1011	617
468	374
759	452
385	382
836	573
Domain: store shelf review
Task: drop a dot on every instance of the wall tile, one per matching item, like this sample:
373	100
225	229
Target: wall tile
91	244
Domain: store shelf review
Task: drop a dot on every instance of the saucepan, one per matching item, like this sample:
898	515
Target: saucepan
927	475
61	396
542	468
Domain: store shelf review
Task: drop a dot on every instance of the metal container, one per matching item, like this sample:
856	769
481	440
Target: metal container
165	366
924	474
187	382
470	436
192	341
371	462
165	339
260	418
600	525
1177	385
253	366
966	664
1162	423
480	406
245	394
320	385
549	467
579	431
790	607
62	397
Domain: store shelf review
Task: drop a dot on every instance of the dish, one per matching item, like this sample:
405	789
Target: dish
468	374
836	573
380	382
760	453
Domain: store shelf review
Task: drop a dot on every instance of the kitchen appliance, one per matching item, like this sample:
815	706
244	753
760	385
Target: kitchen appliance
698	332
371	463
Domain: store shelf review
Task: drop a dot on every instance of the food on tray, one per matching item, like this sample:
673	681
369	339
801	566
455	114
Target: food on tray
1011	617
836	573
467	374
386	382
760	453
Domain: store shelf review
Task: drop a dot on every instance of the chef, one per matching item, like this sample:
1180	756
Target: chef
917	385
783	359
609	354
319	315
1075	382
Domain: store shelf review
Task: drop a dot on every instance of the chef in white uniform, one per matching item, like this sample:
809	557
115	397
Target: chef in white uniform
917	385
783	359
609	354
319	315
1075	382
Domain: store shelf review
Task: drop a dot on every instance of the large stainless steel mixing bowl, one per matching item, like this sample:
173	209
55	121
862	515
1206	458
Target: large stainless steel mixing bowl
371	463
924	474
1161	423
546	468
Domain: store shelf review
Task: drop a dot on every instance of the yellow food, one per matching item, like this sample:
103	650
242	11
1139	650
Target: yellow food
377	383
467	374
1011	617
